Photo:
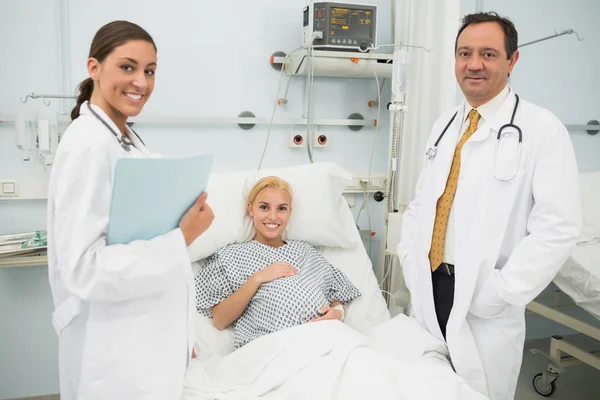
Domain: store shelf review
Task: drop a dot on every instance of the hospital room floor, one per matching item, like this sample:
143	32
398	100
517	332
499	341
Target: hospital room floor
580	382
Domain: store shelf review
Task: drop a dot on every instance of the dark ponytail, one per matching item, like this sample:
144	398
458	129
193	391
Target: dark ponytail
110	36
85	94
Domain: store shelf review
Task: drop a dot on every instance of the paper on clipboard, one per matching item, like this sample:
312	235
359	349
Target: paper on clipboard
150	195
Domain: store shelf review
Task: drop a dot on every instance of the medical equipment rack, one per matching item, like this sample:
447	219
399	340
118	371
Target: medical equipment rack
12	254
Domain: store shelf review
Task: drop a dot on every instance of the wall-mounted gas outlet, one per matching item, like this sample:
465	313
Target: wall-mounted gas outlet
320	139
297	140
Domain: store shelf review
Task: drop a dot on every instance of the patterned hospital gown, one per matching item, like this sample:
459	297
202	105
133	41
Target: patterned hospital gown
279	304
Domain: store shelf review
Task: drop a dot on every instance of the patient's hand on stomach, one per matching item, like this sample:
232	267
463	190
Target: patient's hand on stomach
271	285
301	299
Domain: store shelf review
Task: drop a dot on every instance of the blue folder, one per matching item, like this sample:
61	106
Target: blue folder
150	195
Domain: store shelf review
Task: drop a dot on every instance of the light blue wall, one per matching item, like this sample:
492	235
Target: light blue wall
213	62
28	348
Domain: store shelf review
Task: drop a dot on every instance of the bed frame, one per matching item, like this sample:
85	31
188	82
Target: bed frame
544	383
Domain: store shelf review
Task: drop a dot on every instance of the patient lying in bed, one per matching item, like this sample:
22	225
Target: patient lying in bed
268	284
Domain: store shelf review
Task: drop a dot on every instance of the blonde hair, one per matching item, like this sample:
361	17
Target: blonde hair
269	182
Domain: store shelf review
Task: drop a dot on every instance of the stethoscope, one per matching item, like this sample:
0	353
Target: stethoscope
123	140
432	151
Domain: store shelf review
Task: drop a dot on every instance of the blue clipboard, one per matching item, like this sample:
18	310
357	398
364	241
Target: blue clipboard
150	195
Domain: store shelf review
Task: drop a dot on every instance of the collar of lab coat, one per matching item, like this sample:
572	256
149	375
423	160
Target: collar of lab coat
83	110
501	118
489	109
134	139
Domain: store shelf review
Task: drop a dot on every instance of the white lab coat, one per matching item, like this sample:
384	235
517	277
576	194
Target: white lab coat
124	313
511	238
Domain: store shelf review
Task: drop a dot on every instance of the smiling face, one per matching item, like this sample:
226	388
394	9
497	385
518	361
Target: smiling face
481	63
270	212
124	80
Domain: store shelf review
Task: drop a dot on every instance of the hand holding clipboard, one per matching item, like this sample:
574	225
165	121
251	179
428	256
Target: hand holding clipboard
196	220
152	196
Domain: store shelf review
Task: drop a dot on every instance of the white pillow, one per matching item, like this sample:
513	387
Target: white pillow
226	191
316	205
590	200
315	215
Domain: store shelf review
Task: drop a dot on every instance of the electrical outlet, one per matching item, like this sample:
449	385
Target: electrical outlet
363	182
297	140
9	188
377	182
353	185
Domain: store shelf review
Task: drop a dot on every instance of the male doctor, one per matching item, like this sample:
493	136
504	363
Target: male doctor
492	221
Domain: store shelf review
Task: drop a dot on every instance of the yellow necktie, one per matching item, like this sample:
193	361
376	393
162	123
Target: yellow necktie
444	203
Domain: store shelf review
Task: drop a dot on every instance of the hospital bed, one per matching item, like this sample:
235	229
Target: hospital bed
579	278
370	355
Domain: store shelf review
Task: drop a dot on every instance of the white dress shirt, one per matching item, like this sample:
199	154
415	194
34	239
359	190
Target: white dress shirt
486	111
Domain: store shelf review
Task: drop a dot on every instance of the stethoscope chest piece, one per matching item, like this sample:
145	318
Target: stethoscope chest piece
431	153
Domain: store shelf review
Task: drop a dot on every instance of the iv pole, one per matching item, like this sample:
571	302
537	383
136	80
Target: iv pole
565	32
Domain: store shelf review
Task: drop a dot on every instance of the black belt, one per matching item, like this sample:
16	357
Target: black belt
446	269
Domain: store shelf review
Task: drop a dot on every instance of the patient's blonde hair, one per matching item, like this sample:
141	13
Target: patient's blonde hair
269	182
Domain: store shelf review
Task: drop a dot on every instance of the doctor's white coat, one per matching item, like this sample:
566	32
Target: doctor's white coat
124	313
511	238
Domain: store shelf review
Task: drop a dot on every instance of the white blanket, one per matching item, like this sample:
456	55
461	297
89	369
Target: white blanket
579	278
328	360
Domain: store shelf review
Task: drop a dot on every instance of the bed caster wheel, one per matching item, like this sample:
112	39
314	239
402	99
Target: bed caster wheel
543	386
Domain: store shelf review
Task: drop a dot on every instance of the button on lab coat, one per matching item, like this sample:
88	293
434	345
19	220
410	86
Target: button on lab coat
511	238
124	313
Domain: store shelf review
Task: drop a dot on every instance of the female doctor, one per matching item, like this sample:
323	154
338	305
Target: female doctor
123	313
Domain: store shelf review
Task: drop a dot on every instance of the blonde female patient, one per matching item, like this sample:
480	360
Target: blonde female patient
268	283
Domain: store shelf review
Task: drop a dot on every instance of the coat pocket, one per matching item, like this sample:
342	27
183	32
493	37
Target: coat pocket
486	302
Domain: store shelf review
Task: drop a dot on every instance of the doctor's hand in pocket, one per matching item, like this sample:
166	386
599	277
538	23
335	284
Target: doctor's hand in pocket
196	220
486	302
274	271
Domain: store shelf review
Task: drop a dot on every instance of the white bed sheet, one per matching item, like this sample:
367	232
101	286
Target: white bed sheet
579	278
329	360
